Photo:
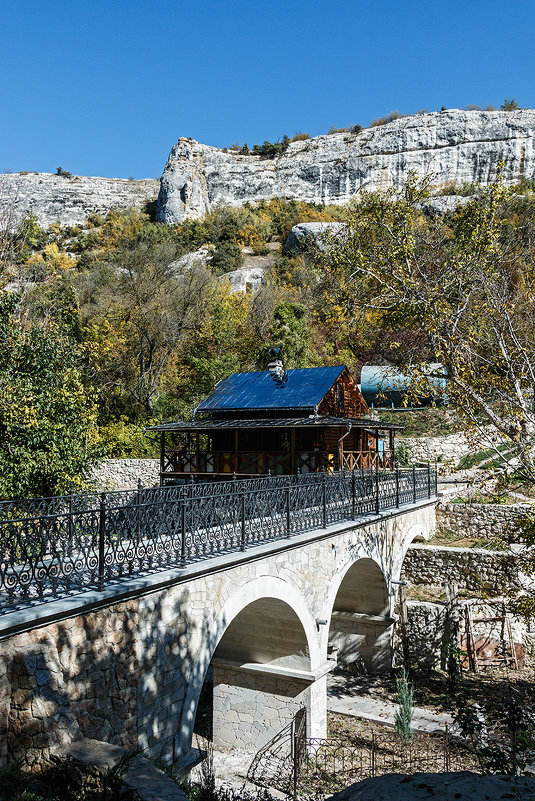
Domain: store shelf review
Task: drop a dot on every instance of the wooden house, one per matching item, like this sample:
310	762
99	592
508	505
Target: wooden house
278	422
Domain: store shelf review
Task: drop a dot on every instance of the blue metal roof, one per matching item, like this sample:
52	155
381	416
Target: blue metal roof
304	389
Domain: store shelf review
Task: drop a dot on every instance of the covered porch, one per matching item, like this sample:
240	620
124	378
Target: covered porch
219	449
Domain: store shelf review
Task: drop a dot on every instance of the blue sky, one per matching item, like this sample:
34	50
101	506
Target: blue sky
106	88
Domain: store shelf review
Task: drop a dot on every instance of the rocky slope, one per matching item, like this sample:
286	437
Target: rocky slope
52	198
457	146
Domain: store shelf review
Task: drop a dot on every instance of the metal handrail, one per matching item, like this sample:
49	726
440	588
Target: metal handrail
52	547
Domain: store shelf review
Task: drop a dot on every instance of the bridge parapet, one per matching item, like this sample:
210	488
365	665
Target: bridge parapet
53	547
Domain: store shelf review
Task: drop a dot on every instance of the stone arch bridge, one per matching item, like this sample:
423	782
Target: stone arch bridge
259	628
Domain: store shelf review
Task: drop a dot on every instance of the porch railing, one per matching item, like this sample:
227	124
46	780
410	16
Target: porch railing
274	462
53	547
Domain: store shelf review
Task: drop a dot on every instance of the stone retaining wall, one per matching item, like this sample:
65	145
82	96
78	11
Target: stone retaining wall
451	447
470	568
119	474
480	520
76	678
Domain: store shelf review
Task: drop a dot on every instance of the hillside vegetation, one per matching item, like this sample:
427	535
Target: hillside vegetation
99	325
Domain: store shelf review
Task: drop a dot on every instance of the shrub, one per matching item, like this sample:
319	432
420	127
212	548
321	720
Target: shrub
120	439
270	150
402	455
394	115
63	173
403	717
227	256
475	107
465	189
334	130
510	105
260	248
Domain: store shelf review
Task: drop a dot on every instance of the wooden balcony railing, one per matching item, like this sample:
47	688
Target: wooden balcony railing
354	460
258	463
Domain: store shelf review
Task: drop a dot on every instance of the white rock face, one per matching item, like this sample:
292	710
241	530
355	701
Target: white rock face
198	257
54	198
312	233
245	280
458	146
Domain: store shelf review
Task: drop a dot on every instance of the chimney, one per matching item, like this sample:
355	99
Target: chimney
276	367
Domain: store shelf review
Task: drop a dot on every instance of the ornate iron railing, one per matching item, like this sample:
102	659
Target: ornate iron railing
53	547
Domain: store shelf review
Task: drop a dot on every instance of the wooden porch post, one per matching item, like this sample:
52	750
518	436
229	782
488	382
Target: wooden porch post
292	453
236	450
377	448
162	456
197	454
391	435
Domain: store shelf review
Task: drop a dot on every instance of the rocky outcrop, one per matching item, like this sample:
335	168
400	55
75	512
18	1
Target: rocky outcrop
443	786
247	280
452	146
198	258
314	234
69	200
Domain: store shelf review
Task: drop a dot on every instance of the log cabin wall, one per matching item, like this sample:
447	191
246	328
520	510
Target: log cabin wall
344	399
331	438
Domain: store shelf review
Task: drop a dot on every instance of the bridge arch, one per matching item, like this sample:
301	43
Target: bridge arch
417	533
261	654
360	625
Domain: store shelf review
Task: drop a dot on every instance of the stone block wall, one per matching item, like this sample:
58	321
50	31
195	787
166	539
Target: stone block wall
470	568
451	447
71	679
481	520
427	632
119	474
253	708
361	638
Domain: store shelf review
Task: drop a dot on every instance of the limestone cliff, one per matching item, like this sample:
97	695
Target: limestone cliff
53	198
458	146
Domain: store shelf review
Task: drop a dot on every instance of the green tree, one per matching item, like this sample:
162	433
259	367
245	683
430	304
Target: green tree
291	331
47	417
459	291
140	311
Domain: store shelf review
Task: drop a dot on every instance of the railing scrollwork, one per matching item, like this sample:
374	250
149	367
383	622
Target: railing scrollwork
54	547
